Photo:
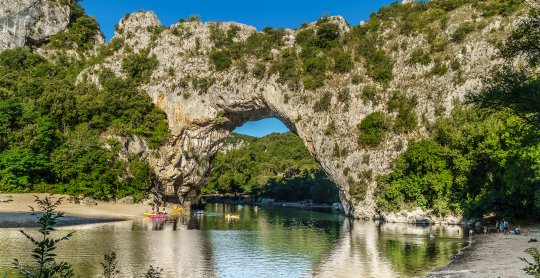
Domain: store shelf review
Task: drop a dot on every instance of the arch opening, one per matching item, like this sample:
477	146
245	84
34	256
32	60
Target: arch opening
264	160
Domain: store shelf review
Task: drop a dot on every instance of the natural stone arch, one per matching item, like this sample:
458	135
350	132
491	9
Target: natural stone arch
200	117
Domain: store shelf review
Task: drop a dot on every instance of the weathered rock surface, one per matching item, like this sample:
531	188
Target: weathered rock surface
200	119
87	201
420	216
24	22
129	200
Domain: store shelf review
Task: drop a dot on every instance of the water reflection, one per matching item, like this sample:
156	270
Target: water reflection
260	243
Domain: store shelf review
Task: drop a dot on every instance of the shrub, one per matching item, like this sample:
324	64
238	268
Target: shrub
418	56
259	70
439	68
370	93
358	190
45	263
330	128
287	68
532	268
462	31
221	60
202	84
342	62
324	103
406	120
344	95
327	36
81	35
139	67
372	129
501	7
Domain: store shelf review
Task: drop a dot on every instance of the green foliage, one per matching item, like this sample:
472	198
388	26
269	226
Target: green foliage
45	264
517	89
259	70
532	268
343	62
372	129
276	166
51	129
287	68
358	190
81	35
330	128
154	272
501	7
462	31
202	84
324	103
474	165
370	93
439	68
110	265
406	119
524	39
139	66
221	60
378	64
344	95
418	56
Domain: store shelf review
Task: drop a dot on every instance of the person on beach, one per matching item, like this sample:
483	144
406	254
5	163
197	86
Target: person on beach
506	227
518	230
501	227
497	227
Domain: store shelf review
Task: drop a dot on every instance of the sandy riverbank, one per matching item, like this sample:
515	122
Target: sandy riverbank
493	255
16	213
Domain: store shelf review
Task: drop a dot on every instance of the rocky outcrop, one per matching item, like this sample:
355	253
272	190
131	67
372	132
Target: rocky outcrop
420	216
201	118
24	22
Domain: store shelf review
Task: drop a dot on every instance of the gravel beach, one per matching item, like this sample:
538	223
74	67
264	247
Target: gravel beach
493	255
15	211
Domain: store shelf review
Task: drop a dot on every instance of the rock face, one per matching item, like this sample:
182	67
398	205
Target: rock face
200	117
25	22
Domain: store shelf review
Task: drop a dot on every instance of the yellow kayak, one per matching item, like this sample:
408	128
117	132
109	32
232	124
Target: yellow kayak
229	216
177	208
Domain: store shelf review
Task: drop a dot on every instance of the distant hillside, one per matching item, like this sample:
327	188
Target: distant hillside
277	166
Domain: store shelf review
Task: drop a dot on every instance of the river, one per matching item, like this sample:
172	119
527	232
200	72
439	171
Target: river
263	242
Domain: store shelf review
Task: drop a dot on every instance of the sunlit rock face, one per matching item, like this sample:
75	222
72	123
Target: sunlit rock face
203	104
30	21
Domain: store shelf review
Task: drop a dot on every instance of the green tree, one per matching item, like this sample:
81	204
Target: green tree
372	129
45	265
532	268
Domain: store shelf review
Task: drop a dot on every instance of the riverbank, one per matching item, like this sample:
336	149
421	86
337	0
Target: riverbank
15	211
265	202
492	255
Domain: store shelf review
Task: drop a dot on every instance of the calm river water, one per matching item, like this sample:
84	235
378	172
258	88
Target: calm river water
264	242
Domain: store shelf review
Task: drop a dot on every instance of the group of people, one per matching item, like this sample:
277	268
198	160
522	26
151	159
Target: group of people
155	208
503	227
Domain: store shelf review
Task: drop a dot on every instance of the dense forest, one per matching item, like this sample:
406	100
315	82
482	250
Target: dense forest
54	132
275	166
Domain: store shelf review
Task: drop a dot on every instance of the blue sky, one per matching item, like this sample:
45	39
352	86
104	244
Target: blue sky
258	13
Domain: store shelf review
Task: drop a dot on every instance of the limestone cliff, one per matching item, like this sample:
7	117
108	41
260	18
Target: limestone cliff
204	101
24	22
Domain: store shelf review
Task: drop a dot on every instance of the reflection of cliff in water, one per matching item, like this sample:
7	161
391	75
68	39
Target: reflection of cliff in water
390	250
180	254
